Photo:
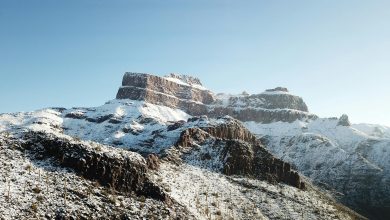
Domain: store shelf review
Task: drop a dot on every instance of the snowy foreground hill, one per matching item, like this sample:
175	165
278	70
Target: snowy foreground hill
168	148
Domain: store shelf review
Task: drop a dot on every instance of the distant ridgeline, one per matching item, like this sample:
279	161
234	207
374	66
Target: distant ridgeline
187	93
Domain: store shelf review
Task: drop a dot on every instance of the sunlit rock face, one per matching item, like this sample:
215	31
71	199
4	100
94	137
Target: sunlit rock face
168	91
187	93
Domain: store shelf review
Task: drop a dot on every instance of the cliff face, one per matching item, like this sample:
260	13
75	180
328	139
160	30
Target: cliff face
237	151
187	93
161	91
278	98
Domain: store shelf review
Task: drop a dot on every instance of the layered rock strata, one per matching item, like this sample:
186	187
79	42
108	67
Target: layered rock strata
160	91
276	104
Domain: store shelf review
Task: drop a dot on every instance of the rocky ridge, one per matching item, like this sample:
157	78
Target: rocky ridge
122	171
238	152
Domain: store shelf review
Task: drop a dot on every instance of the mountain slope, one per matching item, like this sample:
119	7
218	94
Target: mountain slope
341	158
147	158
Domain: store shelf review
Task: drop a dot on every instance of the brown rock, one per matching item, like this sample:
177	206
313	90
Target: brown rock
123	172
240	152
160	91
153	161
264	107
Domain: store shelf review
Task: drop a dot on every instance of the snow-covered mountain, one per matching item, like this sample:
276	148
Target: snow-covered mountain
167	147
339	158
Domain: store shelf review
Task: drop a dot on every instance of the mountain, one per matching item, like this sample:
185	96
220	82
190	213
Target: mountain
167	147
350	160
342	159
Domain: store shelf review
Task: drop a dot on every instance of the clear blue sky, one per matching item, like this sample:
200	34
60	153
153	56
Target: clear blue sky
333	53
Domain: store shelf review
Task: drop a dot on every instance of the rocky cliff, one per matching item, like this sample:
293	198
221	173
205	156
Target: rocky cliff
239	153
162	91
187	93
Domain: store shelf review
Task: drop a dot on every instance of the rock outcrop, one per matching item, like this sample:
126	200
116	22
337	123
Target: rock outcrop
161	91
239	153
261	115
278	89
153	162
122	171
344	121
271	99
186	93
267	107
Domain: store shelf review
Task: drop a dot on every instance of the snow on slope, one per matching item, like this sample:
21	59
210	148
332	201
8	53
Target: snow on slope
318	149
138	125
342	140
276	93
34	188
210	195
131	122
373	130
340	158
185	80
124	123
344	137
42	120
